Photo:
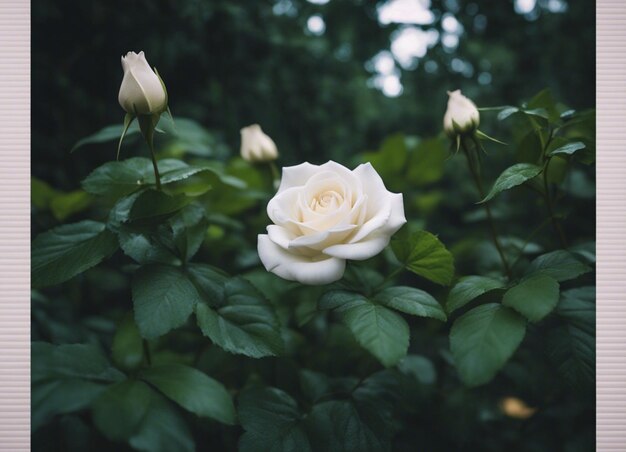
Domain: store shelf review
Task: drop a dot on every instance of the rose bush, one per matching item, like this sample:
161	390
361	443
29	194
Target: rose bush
324	215
165	332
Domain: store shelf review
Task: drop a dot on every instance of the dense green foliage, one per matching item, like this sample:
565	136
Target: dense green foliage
156	328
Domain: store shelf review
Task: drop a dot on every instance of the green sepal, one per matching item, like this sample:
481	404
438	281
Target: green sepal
128	120
166	106
147	125
484	136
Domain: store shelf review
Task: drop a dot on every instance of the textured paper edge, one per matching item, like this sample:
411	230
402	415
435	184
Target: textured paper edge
14	225
611	225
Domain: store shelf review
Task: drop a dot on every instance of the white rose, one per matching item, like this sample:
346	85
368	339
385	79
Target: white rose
141	91
256	146
324	215
462	111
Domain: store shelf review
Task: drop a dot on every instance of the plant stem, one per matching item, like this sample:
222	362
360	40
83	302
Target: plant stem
146	350
555	224
532	234
275	175
547	196
481	192
157	176
146	125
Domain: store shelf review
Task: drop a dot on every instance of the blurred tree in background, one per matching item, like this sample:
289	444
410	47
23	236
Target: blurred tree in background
326	79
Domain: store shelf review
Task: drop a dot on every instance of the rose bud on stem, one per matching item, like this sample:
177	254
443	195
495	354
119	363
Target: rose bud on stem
143	96
460	123
258	147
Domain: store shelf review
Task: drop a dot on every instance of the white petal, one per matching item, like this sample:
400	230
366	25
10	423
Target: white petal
283	206
322	240
379	204
280	236
298	268
296	176
397	218
359	251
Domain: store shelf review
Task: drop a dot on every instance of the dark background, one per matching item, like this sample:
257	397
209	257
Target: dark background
231	63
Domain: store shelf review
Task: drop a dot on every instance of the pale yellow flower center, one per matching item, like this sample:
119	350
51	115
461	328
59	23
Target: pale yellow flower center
328	200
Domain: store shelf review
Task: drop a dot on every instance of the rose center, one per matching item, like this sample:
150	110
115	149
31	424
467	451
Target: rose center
325	201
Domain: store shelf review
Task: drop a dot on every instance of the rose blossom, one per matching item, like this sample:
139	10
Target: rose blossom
324	215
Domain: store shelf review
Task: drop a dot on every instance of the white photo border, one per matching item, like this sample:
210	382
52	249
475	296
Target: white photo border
15	224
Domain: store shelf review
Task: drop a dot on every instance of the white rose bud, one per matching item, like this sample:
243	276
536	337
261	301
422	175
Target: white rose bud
256	146
141	92
461	116
323	215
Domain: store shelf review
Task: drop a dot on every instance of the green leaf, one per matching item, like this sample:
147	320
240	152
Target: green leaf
41	193
379	330
194	181
155	203
117	179
162	429
544	105
342	299
193	390
147	245
64	205
66	378
82	361
572	346
120	212
163	298
67	250
127	348
189	228
534	297
585	250
185	173
426	162
512	177
119	411
209	282
539	112
390	159
482	341
469	288
560	265
411	301
360	278
338	426
530	148
506	112
418	367
51	398
314	385
108	133
565	147
423	254
272	422
244	323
